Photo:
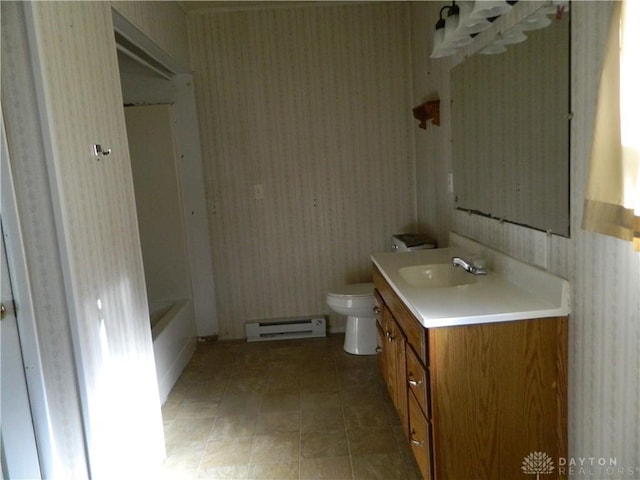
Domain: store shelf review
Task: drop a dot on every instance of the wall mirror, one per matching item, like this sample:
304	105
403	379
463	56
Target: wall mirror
510	131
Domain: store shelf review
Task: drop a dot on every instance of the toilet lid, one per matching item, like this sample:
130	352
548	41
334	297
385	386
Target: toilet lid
353	290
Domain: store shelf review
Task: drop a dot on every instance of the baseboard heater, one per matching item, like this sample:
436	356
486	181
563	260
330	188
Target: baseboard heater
286	328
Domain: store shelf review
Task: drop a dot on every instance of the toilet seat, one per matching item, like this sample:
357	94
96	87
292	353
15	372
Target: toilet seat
355	295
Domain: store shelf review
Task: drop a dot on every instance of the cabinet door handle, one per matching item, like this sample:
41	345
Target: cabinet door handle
414	383
378	349
389	337
376	310
419	443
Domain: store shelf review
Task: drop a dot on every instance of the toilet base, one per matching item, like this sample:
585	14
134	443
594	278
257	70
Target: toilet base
360	336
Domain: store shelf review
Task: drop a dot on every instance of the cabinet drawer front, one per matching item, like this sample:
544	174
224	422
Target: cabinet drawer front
420	438
418	381
414	332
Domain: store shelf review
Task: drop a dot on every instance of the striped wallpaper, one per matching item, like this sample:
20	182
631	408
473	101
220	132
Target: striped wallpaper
313	104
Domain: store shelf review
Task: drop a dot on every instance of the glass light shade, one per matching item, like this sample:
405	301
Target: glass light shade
489	8
439	49
454	36
513	35
494	48
460	40
535	21
468	25
450	26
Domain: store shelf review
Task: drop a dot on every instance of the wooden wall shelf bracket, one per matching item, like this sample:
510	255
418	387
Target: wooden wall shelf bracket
427	111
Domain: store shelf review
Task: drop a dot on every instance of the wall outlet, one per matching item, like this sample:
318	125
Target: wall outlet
258	191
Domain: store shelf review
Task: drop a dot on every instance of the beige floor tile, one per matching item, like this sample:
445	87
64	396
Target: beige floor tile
359	377
197	408
209	390
189	430
227	451
247	383
234	426
170	410
331	468
301	409
225	472
323	444
278	422
379	466
280	402
318	401
321	420
371	440
274	471
276	448
365	415
183	460
319	382
240	403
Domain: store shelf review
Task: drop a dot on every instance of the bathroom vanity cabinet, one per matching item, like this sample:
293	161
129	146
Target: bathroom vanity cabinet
478	401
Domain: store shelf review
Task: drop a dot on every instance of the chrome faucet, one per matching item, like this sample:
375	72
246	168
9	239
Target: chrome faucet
468	266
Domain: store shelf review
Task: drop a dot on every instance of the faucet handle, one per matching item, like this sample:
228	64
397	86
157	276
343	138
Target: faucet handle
478	261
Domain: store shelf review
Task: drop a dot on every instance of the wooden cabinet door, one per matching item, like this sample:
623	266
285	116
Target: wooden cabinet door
498	394
388	356
381	349
395	351
420	438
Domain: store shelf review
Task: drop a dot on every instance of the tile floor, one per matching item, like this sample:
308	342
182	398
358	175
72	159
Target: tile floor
289	409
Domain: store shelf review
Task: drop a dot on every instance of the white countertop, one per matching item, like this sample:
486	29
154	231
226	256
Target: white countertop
512	290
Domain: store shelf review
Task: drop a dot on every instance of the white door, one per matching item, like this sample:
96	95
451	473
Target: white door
18	443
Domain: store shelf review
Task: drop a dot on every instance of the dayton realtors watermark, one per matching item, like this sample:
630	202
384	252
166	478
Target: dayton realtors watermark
601	468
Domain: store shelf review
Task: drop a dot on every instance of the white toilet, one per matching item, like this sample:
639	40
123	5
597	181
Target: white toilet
356	301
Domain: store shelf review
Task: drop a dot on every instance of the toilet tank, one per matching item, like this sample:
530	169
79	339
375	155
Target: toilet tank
407	242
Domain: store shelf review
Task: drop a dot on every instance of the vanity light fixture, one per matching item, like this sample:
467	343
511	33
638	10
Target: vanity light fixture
536	21
454	35
513	35
468	25
494	48
440	49
464	21
489	8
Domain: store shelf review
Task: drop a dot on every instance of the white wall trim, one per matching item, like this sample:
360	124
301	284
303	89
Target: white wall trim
25	316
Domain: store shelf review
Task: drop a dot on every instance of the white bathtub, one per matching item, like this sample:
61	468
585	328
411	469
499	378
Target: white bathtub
173	329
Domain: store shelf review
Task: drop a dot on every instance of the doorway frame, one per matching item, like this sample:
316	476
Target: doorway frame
25	311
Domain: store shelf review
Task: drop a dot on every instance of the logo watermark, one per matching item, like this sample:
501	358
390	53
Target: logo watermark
595	468
538	463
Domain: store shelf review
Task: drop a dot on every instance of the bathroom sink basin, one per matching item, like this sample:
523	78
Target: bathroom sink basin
437	275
